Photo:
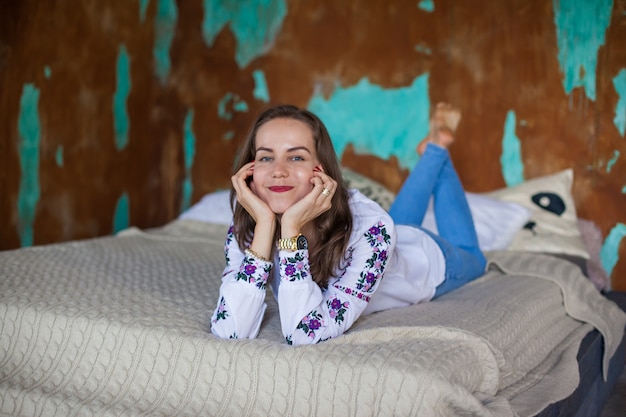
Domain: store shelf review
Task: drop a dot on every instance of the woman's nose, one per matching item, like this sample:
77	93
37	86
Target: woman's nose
280	170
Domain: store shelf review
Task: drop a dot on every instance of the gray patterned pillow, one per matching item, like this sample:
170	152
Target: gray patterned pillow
371	189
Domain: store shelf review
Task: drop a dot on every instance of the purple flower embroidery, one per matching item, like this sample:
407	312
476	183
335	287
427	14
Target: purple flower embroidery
221	313
295	267
337	309
254	271
379	240
309	324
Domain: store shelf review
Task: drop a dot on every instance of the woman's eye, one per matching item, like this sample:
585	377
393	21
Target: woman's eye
264	159
297	158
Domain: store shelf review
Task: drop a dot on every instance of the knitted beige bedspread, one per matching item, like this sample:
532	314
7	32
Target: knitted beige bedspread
120	326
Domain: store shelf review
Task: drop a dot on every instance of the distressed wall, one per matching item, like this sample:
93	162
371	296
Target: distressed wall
124	113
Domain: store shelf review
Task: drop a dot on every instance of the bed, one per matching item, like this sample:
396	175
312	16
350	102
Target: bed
120	325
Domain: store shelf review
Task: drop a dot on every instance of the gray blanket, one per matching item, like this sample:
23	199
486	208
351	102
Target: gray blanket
120	326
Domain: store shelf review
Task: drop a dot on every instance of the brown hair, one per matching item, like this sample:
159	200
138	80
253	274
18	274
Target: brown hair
333	226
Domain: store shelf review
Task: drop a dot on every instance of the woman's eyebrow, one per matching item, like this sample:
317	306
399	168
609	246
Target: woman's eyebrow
298	148
294	149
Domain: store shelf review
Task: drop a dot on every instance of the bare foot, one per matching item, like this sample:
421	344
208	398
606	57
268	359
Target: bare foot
443	124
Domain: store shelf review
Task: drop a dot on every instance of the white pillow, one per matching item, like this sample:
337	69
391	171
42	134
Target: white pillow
555	227
496	222
212	208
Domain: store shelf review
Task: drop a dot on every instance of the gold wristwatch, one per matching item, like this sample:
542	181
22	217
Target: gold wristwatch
293	243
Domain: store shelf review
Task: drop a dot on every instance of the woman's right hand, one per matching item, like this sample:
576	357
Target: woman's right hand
246	196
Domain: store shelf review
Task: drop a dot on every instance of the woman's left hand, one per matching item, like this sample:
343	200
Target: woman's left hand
318	201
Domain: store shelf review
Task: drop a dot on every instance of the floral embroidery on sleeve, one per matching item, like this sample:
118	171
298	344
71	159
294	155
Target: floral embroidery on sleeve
220	313
379	240
332	310
248	272
229	238
296	267
241	303
352	292
337	308
312	322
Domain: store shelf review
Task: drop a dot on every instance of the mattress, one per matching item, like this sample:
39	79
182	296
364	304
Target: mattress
591	394
120	326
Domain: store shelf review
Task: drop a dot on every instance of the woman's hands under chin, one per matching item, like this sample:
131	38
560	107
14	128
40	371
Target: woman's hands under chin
310	207
246	196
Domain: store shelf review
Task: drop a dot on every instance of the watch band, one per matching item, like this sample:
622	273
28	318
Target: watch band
293	243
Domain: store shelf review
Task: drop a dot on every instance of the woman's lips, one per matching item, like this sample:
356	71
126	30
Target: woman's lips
280	188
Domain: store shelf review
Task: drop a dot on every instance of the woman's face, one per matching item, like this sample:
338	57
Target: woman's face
284	163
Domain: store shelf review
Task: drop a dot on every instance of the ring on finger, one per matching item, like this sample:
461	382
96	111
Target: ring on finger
326	191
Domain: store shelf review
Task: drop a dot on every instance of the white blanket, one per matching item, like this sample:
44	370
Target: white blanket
120	326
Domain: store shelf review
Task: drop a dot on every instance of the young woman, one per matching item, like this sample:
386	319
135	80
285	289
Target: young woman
328	253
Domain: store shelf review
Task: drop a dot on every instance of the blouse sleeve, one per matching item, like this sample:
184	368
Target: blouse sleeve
241	303
308	314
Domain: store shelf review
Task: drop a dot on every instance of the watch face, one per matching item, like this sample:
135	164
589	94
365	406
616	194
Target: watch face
302	243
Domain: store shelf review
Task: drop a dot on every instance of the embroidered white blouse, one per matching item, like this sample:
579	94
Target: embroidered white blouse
387	266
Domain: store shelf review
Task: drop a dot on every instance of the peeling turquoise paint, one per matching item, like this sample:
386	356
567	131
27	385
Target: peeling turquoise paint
189	152
580	28
511	157
619	82
47	72
238	105
624	189
121	121
378	121
59	156
221	107
143	7
254	23
164	28
612	161
260	86
423	49
426	5
29	130
609	254
229	135
122	214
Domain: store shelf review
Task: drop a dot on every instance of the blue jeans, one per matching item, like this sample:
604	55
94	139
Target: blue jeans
435	175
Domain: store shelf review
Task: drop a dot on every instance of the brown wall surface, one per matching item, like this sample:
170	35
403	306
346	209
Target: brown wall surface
69	178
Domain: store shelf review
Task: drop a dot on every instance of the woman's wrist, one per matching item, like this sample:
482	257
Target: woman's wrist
263	240
289	229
